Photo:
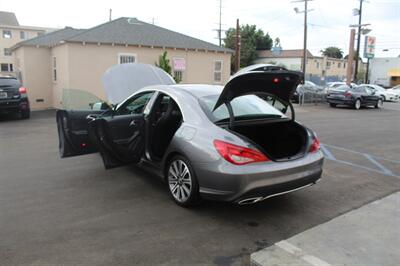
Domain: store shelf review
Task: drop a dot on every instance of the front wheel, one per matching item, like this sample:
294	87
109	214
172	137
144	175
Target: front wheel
332	104
357	104
379	103
182	182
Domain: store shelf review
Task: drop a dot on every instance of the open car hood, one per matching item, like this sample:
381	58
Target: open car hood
121	81
280	84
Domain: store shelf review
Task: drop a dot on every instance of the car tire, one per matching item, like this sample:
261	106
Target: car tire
25	114
379	104
383	98
357	104
182	182
332	104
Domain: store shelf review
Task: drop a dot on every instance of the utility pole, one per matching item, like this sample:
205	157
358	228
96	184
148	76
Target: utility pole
358	39
350	57
110	15
306	10
237	47
305	39
220	22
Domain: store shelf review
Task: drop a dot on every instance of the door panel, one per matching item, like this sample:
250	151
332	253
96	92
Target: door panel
73	132
120	139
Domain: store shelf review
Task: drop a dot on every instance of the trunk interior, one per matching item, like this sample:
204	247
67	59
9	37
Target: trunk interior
279	141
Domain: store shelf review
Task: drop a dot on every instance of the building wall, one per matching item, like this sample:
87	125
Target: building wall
15	38
289	63
87	64
380	69
61	56
34	68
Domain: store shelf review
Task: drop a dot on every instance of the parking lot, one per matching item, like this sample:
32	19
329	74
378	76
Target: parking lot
73	211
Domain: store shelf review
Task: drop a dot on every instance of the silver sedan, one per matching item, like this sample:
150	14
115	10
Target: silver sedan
238	143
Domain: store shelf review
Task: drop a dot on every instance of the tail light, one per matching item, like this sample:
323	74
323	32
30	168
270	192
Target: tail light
347	94
22	90
237	154
315	145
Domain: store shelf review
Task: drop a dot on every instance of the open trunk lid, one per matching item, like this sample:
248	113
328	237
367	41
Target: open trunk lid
280	84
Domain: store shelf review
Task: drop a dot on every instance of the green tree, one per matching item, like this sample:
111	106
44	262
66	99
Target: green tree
252	39
332	51
163	63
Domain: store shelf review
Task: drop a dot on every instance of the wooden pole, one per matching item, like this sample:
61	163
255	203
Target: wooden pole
237	52
350	57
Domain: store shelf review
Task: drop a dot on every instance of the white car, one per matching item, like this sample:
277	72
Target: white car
385	94
395	90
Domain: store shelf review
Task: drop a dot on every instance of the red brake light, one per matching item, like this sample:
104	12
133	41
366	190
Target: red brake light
22	90
347	94
237	154
315	145
275	80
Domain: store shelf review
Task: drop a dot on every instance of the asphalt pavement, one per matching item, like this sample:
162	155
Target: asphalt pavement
73	211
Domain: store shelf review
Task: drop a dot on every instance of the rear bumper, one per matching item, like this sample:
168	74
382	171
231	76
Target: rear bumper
14	105
340	101
229	182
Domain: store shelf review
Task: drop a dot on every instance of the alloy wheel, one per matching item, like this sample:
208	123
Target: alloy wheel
180	180
379	104
357	104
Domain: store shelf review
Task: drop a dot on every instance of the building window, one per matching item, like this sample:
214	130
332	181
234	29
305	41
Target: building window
317	64
339	65
7	51
344	65
6	67
126	58
54	68
178	75
7	34
328	65
22	35
218	71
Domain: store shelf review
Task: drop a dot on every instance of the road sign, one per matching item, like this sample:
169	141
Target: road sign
369	47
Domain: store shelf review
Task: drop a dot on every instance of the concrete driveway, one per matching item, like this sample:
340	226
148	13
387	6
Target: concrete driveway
72	211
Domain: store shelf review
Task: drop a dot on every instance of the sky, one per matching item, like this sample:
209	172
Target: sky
328	23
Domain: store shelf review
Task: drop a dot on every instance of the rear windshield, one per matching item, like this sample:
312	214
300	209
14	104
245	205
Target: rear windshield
244	108
7	82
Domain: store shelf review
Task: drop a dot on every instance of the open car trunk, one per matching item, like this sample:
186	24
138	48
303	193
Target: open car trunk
280	141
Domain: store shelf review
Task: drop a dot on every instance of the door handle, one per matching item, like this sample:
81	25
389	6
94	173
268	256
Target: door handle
132	123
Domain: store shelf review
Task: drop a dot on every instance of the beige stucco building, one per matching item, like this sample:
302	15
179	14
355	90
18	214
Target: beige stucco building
77	59
317	66
11	34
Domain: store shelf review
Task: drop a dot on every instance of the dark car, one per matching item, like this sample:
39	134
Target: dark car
13	97
355	97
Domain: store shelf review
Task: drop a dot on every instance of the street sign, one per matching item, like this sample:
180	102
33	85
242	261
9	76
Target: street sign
369	47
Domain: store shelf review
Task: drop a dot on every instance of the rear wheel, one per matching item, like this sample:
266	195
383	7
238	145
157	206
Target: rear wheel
357	104
332	104
182	182
379	103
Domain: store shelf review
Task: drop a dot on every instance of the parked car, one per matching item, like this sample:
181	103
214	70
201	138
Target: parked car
395	91
386	95
355	97
308	88
13	97
231	143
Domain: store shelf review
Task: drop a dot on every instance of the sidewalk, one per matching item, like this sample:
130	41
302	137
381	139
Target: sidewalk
369	235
